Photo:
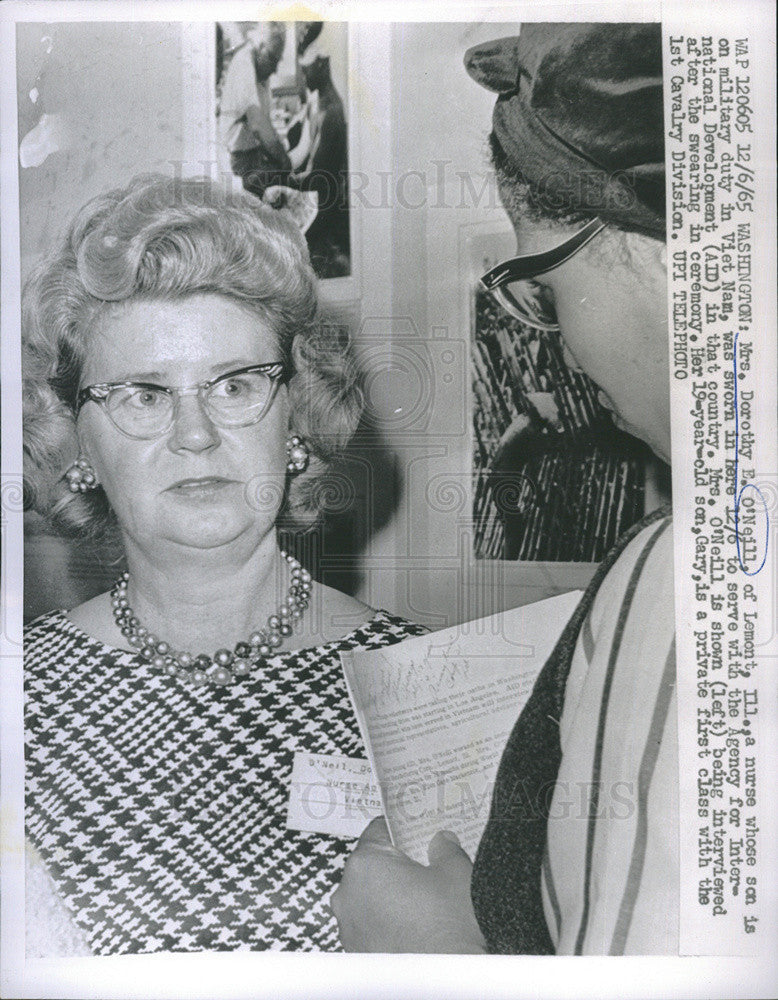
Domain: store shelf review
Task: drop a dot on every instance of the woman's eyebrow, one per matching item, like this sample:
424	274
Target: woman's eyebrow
233	364
160	377
133	377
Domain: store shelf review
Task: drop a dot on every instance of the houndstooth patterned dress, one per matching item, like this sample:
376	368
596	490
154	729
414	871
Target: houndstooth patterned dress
159	808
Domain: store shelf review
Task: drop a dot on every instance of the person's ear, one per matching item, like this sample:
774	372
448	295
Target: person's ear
649	255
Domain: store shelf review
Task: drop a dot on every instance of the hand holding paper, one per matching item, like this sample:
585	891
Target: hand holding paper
387	902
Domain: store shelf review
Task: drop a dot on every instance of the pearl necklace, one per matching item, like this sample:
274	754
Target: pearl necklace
225	665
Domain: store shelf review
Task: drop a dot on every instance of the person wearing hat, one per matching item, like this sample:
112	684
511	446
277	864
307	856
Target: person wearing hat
580	851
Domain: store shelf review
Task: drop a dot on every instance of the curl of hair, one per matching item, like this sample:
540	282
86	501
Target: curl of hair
521	198
168	238
524	200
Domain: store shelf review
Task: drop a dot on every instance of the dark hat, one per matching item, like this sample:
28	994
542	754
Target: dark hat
580	116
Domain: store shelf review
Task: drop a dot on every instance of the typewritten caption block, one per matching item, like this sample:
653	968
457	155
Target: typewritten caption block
723	549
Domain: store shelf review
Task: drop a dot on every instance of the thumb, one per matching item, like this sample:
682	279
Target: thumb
376	833
445	849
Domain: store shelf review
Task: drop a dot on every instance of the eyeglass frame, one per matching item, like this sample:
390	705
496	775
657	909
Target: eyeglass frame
532	265
277	371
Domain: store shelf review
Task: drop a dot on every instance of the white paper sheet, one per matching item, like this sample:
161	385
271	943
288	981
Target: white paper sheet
436	711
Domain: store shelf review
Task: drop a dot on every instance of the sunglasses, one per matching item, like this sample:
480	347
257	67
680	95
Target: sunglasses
512	282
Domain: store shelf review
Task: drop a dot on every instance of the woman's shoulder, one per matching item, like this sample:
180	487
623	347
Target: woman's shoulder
347	620
338	605
45	626
94	618
83	615
61	631
49	641
385	629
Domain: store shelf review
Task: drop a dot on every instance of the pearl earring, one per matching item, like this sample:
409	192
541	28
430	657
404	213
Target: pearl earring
81	477
297	454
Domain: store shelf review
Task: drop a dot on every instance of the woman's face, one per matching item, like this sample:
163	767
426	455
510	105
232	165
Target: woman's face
613	318
195	486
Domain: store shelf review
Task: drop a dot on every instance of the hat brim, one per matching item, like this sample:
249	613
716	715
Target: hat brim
494	64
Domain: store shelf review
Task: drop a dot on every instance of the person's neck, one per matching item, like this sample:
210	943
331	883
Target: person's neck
206	599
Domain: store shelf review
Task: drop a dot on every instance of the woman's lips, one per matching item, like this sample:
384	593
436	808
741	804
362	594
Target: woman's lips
203	487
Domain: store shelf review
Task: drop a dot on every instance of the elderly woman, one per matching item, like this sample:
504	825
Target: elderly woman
181	393
580	853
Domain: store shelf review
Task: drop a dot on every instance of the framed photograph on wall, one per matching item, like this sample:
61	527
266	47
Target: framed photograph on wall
282	100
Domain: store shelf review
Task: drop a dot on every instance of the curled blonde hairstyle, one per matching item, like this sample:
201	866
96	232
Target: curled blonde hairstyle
163	238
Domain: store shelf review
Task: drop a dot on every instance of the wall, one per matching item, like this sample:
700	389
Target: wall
117	88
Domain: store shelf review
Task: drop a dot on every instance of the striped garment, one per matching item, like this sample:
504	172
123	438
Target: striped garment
580	851
610	877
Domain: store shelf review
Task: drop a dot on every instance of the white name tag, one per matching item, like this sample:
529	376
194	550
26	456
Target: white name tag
332	794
